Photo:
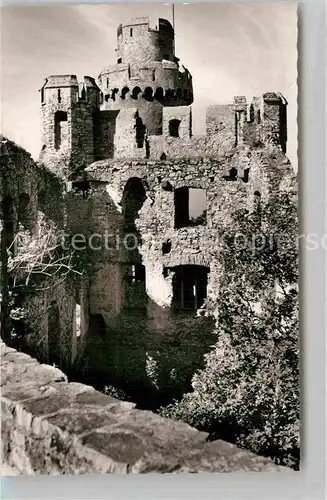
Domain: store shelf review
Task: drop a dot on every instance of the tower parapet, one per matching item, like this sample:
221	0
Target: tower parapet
139	44
147	74
262	121
274	114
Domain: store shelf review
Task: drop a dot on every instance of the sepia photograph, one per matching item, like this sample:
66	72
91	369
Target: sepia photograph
149	275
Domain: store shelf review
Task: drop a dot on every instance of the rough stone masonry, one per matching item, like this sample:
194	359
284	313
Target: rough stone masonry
124	152
51	426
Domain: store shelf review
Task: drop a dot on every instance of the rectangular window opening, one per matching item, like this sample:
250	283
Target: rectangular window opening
189	287
190	207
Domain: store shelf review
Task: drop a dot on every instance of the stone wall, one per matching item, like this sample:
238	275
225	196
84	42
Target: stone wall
18	209
32	200
18	185
148	345
131	335
51	426
50	331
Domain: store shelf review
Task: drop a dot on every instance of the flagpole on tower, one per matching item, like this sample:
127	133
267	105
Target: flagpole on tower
173	7
173	12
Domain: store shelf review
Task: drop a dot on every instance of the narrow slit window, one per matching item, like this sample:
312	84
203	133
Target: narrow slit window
78	320
60	128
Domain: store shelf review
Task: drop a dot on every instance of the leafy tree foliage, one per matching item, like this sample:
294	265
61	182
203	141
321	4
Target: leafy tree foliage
248	391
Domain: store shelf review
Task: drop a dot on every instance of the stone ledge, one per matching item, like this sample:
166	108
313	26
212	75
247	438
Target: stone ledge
52	426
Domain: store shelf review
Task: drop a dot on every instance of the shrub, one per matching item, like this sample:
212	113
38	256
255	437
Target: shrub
248	391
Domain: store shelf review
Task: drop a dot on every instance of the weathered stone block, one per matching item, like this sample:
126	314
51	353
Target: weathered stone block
91	432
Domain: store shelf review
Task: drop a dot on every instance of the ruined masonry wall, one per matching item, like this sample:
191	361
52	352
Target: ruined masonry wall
190	245
44	203
18	179
51	426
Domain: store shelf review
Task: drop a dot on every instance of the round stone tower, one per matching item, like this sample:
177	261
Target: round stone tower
147	75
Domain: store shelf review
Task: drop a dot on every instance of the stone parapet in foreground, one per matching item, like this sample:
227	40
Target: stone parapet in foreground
52	426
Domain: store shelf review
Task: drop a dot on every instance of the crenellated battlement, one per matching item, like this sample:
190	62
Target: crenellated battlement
67	90
160	25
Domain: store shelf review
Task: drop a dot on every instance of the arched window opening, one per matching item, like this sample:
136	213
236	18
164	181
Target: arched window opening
159	94
189	287
148	94
131	32
119	60
42	95
257	199
258	116
54	353
59	95
83	94
133	198
107	83
190	207
61	129
153	75
174	128
113	94
140	131
166	247
124	92
135	93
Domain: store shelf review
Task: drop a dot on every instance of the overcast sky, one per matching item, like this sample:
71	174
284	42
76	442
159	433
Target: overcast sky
230	49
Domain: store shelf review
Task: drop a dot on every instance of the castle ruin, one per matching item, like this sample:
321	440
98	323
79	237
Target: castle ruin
119	163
